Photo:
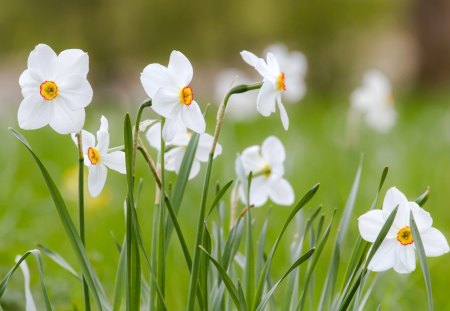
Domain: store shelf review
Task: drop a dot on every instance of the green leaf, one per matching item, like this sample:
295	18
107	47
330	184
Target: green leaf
120	279
89	274
37	256
263	275
297	263
55	257
422	199
232	290
422	259
218	197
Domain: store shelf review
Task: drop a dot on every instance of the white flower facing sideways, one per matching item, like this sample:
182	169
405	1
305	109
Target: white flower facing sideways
176	149
295	66
266	162
55	90
98	159
274	83
171	95
373	100
398	249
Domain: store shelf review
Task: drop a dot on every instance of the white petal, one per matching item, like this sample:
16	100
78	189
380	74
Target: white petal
273	150
165	102
272	63
97	179
283	113
295	89
263	69
434	242
180	68
252	159
423	218
34	112
281	192
73	62
384	258
276	170
249	58
395	198
370	224
66	120
259	191
195	169
43	62
76	91
87	140
29	86
172	129
405	259
193	118
173	159
204	147
115	161
153	77
376	80
153	136
265	103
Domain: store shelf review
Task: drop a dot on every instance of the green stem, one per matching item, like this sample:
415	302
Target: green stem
193	282
161	232
87	304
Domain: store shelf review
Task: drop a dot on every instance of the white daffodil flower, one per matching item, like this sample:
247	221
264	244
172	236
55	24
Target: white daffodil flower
267	165
398	250
373	100
171	95
295	66
176	149
55	90
273	84
98	159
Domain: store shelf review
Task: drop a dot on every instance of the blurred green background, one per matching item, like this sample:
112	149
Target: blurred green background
408	40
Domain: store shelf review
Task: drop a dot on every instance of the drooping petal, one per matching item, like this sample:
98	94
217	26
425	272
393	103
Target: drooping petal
281	192
153	77
153	136
66	120
76	91
384	257
192	117
43	62
405	259
72	62
283	113
115	161
423	218
434	242
265	102
34	112
180	69
97	179
370	224
165	102
249	58
273	150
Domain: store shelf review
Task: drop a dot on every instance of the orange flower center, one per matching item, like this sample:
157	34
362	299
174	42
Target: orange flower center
93	155
281	84
48	90
186	95
404	236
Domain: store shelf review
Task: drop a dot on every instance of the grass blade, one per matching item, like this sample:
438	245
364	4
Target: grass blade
55	257
422	259
91	278
422	199
219	196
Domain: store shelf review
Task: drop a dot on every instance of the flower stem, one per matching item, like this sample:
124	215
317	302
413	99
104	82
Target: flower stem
161	268
87	304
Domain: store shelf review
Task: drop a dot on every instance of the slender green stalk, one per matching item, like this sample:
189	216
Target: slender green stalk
249	256
87	304
161	267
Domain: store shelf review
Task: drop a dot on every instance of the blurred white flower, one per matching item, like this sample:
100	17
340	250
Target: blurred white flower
267	165
55	90
273	84
98	159
171	95
294	66
398	250
373	100
176	149
240	106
